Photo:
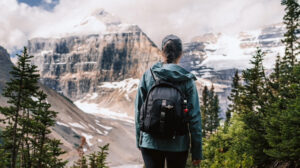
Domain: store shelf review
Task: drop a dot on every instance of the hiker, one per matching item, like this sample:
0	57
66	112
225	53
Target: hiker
167	112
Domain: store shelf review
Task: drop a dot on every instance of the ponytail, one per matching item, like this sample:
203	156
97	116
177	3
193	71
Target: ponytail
172	50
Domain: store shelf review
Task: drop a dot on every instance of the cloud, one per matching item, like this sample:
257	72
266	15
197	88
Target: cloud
185	18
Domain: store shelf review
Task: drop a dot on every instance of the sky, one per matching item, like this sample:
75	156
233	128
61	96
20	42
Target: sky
25	19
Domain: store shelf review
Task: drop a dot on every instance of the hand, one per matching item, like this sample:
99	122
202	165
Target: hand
196	162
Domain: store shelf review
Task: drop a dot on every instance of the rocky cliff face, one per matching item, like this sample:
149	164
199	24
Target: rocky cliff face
76	65
5	67
72	124
216	57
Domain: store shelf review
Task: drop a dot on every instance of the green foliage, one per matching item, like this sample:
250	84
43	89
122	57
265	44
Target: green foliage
28	121
210	110
224	148
204	110
266	110
282	124
234	98
81	163
282	120
96	159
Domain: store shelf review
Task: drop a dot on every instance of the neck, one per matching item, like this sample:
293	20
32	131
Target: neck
174	62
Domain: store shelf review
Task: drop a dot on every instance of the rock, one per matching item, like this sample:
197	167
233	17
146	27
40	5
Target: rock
75	65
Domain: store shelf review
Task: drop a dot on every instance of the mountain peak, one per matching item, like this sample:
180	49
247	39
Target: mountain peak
106	17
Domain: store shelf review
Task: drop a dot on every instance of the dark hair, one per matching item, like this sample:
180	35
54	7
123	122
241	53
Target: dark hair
172	50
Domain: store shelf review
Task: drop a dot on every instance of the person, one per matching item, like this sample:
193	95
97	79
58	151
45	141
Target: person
156	150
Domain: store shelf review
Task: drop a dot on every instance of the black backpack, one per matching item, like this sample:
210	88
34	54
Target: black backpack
164	112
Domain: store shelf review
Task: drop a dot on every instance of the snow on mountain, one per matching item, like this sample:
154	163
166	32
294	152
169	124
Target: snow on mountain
72	125
216	56
96	22
224	51
110	98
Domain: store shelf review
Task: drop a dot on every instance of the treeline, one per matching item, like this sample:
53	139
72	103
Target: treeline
25	141
262	128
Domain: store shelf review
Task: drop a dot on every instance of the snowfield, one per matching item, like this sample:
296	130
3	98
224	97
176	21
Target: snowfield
94	109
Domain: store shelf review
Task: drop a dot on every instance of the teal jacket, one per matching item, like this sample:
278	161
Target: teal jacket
185	80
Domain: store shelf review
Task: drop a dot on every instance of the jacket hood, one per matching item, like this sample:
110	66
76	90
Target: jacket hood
171	72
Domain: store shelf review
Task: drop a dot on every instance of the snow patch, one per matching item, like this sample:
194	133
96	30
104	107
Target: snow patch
88	138
63	124
77	125
103	126
127	85
93	108
99	132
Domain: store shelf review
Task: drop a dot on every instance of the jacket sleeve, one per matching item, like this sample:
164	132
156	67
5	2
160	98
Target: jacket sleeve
195	123
139	100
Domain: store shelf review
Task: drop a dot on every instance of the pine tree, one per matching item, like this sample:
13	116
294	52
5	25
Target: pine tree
28	120
283	115
291	21
233	98
216	112
213	110
54	151
96	159
43	119
19	91
102	156
252	108
210	113
3	154
93	160
292	47
204	110
81	163
210	110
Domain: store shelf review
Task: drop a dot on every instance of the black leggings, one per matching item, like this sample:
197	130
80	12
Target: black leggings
156	158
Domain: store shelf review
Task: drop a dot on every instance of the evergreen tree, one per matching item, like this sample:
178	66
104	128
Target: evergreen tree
96	159
28	120
291	20
43	119
204	110
216	112
81	163
54	151
252	108
233	98
93	160
291	41
19	91
102	156
283	115
282	125
209	111
213	111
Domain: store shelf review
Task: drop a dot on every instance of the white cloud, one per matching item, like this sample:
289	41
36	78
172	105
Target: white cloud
186	18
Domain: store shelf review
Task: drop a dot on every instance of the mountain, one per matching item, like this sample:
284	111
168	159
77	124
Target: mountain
72	124
5	68
82	66
100	72
76	65
216	56
99	69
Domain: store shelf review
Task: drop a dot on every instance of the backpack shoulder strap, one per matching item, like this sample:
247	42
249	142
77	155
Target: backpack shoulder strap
158	82
153	76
